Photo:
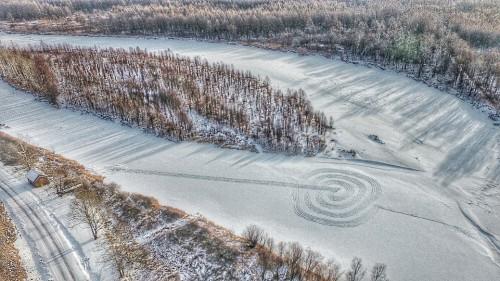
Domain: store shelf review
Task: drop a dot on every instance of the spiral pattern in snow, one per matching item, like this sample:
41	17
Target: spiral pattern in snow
344	198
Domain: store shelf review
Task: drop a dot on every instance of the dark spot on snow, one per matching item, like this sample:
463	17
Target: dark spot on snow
347	153
495	117
418	141
376	139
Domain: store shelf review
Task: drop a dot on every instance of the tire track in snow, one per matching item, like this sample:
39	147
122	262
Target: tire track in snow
457	228
342	198
348	201
492	241
67	271
371	163
41	229
218	179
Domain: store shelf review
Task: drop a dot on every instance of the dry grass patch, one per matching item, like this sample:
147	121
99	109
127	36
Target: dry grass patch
11	267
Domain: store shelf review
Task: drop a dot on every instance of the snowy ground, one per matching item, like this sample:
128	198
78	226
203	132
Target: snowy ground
427	202
51	246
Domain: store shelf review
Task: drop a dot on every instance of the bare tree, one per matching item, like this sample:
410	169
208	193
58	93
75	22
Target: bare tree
356	272
265	262
379	272
266	256
87	209
280	261
59	180
27	155
254	235
311	262
331	271
123	252
294	258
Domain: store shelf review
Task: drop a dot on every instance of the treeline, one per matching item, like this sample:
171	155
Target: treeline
171	96
449	44
290	261
18	10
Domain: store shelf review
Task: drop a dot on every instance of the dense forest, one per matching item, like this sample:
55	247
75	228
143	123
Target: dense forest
446	43
171	96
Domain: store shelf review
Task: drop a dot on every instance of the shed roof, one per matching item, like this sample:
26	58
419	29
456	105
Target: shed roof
33	175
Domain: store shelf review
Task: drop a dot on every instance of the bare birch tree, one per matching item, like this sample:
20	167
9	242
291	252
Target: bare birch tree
357	271
379	272
87	209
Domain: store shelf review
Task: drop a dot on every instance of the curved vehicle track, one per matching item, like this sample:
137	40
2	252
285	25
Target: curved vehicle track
348	200
333	197
45	239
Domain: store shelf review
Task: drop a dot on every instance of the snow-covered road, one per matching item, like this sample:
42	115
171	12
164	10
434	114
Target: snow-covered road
427	202
54	256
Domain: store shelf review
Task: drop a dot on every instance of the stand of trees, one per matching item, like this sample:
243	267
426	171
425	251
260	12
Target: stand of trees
170	96
290	261
450	44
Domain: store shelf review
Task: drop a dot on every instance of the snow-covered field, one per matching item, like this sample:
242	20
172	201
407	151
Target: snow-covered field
426	203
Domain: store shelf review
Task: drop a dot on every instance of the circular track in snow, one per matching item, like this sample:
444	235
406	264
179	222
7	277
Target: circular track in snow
346	198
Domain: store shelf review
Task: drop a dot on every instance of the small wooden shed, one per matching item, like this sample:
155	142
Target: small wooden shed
37	179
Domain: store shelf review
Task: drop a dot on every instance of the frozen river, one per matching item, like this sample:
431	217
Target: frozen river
426	203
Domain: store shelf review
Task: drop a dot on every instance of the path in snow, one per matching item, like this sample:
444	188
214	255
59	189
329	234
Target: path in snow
56	258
